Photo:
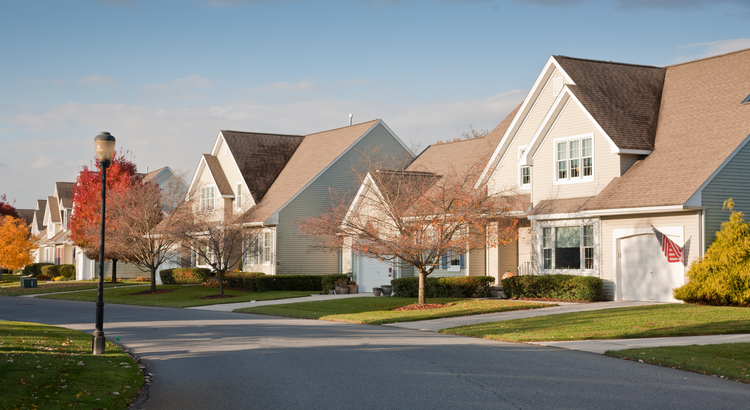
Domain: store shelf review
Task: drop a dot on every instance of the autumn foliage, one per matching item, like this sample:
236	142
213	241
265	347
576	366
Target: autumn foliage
16	243
6	208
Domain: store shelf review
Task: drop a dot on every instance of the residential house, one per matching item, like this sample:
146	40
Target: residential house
54	244
606	151
276	180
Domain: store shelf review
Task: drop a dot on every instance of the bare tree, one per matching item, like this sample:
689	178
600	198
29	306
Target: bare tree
416	217
148	219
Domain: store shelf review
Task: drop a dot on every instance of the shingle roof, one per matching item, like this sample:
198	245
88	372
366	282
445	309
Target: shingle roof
312	156
41	205
496	135
218	174
26	214
65	193
701	122
560	206
454	158
623	98
53	209
151	175
261	157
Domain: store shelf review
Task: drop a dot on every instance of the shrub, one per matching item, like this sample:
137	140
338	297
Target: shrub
166	277
34	269
142	279
190	275
567	287
42	276
51	271
242	280
452	287
328	282
723	276
259	282
68	271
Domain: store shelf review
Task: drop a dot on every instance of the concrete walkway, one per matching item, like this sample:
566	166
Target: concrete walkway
228	307
601	346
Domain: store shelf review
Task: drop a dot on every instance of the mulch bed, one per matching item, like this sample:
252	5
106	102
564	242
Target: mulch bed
152	292
426	306
217	297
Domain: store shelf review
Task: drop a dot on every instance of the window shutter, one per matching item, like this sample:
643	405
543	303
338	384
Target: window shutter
463	261
445	261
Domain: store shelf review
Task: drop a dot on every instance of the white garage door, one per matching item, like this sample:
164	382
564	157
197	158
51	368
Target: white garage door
645	273
372	273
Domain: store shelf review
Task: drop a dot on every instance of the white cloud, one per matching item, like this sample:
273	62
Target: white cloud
712	48
181	88
96	80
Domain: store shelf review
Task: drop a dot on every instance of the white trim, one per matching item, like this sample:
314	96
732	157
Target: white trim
619	234
198	171
641	210
274	218
237	167
554	112
697	197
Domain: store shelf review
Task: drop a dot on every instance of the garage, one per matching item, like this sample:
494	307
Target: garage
372	273
645	274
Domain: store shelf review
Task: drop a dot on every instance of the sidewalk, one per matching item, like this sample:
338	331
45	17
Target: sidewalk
601	346
228	307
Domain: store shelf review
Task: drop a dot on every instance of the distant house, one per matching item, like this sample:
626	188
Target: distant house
606	151
50	225
277	179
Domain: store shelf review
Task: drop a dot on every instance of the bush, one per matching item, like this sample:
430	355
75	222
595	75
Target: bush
453	287
242	280
566	287
723	276
51	271
190	275
68	272
42	276
34	269
328	282
258	282
166	277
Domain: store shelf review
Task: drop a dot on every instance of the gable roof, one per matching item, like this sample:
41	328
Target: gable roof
214	166
701	123
260	157
54	209
453	158
41	205
64	192
26	214
151	175
622	98
313	155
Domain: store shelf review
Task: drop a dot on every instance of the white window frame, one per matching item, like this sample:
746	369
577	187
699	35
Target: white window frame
568	160
521	183
267	247
238	197
454	261
205	206
552	246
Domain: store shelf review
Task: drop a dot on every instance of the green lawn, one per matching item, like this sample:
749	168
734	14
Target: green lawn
48	367
376	311
10	286
622	323
182	296
731	360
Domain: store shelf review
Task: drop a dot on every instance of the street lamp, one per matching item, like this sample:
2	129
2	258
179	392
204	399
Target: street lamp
104	145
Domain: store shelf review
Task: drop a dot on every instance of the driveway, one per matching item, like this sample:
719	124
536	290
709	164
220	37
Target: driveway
222	360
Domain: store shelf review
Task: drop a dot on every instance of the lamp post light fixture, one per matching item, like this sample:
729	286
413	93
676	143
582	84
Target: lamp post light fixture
104	145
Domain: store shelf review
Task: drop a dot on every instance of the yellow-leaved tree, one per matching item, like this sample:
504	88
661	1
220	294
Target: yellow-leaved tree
16	243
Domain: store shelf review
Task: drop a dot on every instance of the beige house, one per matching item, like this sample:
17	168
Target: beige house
276	180
50	225
607	150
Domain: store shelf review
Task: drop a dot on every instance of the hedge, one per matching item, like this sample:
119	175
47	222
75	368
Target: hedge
184	275
34	269
566	287
51	271
68	271
259	282
452	287
328	282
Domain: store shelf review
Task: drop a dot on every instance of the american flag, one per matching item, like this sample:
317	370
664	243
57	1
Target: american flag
670	249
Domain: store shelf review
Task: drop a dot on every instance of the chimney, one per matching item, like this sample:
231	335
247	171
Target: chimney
350	118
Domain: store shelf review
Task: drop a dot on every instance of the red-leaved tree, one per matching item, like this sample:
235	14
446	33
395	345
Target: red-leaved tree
85	221
7	208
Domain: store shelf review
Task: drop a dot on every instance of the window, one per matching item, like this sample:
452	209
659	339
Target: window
574	158
525	172
207	199
568	247
266	247
239	195
454	261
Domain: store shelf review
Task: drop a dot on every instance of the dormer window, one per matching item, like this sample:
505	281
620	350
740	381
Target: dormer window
207	199
524	172
574	159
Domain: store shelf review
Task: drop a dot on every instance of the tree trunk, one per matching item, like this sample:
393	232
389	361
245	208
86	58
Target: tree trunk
153	279
220	276
114	270
422	280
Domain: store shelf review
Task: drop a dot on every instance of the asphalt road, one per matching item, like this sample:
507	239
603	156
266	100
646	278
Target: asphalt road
219	360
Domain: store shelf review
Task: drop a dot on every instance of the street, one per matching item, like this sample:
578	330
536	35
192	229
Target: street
218	360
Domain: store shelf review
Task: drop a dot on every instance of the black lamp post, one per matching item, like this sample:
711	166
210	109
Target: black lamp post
104	145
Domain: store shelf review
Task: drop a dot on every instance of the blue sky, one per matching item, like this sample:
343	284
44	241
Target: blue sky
164	76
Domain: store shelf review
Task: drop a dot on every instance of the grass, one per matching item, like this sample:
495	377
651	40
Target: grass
182	296
52	368
376	311
621	323
10	285
730	361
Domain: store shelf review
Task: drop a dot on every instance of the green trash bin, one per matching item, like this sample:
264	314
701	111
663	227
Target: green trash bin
28	282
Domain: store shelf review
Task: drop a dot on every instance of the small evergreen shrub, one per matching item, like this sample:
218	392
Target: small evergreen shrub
566	287
242	280
259	282
51	271
453	287
68	271
166	277
328	282
723	276
34	269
